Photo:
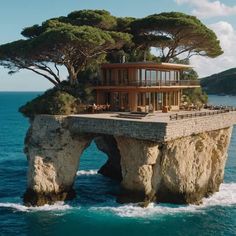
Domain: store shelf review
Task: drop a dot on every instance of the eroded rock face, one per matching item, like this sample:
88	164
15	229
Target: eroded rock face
53	157
108	145
180	171
137	159
183	170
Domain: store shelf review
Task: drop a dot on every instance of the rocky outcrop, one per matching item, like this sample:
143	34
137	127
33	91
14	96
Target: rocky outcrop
179	171
108	145
53	158
137	160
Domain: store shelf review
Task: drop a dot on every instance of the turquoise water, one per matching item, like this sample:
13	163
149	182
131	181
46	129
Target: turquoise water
94	211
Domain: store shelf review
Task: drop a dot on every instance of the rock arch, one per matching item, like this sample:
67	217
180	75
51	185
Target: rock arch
53	154
182	170
108	145
53	158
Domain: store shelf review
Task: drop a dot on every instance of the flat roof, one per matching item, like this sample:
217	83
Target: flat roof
148	65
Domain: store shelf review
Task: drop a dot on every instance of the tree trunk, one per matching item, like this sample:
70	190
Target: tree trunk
74	81
73	76
145	55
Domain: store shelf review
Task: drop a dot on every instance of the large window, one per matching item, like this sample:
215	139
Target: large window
107	77
166	77
151	77
141	77
122	76
172	76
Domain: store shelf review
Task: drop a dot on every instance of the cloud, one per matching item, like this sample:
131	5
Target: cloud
208	9
227	36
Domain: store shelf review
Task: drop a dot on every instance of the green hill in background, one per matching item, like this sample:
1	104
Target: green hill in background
221	83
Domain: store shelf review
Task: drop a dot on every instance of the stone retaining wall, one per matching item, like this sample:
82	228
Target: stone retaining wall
153	131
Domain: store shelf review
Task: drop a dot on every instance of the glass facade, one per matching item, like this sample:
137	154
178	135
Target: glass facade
158	99
121	101
140	89
140	77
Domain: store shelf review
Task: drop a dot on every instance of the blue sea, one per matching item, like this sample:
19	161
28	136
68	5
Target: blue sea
94	211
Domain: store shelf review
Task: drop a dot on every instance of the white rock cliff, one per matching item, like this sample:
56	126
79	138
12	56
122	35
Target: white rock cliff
180	171
183	170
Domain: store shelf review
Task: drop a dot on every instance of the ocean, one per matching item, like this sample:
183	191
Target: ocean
94	211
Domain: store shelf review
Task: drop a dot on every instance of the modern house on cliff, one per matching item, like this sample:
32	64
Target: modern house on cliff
142	86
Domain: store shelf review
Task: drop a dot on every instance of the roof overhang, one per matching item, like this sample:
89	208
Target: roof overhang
146	65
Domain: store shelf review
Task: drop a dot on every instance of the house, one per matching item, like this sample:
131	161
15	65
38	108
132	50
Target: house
142	86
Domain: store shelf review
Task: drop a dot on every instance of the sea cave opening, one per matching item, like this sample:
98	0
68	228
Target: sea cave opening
96	181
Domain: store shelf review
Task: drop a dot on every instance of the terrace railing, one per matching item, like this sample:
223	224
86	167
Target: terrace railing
199	114
150	83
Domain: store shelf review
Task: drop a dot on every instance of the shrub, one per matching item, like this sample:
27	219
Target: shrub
52	102
195	96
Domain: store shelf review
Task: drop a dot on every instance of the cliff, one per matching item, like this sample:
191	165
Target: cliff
53	158
221	83
178	170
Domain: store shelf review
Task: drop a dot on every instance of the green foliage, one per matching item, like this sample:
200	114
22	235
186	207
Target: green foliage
81	91
31	32
181	34
62	44
86	38
133	55
89	39
52	102
124	24
97	18
195	96
222	83
189	74
62	100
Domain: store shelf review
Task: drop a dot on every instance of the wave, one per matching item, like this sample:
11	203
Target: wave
87	172
59	206
225	197
133	210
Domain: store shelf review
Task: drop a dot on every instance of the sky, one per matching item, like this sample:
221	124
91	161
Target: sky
219	15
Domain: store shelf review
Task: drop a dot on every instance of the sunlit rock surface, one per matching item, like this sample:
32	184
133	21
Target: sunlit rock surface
180	170
53	158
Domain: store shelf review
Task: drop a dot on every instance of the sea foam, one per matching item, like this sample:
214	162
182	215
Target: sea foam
59	206
225	197
87	172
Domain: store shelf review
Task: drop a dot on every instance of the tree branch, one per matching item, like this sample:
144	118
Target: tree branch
39	73
58	72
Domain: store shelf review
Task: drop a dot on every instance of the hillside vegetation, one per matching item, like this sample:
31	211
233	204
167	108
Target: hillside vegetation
221	83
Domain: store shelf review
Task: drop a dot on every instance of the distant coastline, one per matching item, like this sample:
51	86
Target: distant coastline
220	84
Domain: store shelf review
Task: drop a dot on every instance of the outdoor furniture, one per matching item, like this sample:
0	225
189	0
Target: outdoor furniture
165	109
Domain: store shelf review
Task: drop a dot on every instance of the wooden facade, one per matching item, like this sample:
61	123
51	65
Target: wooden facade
142	86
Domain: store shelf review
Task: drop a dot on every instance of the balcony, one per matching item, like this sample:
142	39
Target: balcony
150	83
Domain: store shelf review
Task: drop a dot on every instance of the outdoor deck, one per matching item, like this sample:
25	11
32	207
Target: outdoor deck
156	126
158	116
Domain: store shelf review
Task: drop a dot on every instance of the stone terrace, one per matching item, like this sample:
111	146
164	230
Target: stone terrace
154	127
